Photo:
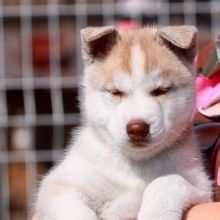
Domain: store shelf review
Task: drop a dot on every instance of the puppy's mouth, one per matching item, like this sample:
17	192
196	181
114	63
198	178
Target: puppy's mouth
138	143
146	142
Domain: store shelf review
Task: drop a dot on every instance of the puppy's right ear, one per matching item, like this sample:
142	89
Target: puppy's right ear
97	42
181	39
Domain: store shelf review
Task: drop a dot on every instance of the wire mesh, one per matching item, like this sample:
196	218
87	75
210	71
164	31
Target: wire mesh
40	67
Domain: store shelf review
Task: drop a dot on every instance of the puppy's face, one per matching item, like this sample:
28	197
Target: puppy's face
139	89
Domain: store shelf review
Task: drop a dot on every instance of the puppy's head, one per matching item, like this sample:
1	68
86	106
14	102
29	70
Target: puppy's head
139	86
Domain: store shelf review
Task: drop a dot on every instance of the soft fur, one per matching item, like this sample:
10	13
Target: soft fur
106	176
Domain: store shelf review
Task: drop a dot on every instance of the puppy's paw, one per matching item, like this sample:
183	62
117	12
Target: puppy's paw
124	207
120	213
78	216
116	216
159	216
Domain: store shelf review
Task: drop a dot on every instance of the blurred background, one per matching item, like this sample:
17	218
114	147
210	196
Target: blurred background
40	66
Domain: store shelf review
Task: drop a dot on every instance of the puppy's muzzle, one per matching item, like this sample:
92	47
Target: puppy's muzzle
137	130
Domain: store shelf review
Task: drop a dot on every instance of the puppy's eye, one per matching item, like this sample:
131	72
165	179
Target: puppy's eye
116	92
160	91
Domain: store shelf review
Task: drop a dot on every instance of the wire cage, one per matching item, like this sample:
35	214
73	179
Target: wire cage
40	67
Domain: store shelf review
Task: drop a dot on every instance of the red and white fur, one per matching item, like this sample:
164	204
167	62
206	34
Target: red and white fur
144	74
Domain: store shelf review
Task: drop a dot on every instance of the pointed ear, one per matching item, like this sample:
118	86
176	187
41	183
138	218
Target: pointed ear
181	39
97	42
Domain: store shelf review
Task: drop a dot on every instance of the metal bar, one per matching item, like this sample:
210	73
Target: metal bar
29	101
189	12
39	83
4	178
215	18
44	120
27	157
55	68
94	9
163	12
108	12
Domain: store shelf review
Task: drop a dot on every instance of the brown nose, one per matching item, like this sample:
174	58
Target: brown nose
137	129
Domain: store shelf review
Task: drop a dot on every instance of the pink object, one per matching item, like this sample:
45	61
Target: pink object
208	90
127	25
35	218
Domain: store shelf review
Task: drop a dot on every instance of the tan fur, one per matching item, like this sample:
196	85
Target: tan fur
181	36
157	56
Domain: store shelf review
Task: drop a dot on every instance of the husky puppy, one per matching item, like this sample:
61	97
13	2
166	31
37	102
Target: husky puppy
135	155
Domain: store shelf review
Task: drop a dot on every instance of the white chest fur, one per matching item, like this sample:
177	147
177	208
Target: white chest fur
99	178
106	178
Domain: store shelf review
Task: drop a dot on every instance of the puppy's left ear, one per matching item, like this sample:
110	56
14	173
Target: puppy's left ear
181	39
97	42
